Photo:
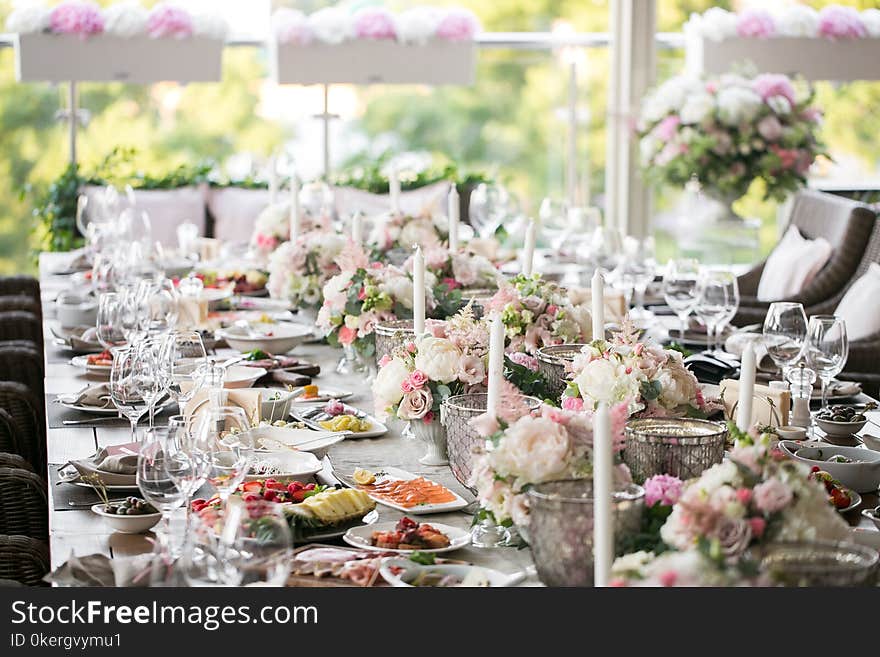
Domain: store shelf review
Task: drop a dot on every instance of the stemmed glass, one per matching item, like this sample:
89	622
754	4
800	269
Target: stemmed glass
716	297
490	206
785	331
730	310
680	288
223	433
826	349
155	482
126	386
150	374
187	464
109	331
634	272
553	214
159	306
182	365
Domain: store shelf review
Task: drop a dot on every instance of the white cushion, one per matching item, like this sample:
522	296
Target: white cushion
235	211
793	264
430	200
858	308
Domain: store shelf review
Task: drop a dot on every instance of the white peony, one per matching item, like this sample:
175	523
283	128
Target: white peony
330	25
798	21
678	387
534	449
669	97
871	19
211	25
648	147
29	18
438	358
697	108
419	231
715	24
738	105
605	381
418	25
126	19
779	104
386	387
400	288
290	25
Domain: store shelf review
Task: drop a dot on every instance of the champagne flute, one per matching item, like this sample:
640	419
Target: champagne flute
826	349
223	433
109	323
785	331
156	483
182	365
125	389
680	288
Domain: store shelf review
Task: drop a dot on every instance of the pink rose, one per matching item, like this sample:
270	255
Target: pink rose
458	25
407	386
770	128
384	360
757	23
667	127
662	489
525	360
575	404
471	370
485	424
743	495
418	379
768	85
436	327
76	17
169	21
788	156
668	578
836	22
758	526
374	23
733	536
771	496
415	405
347	335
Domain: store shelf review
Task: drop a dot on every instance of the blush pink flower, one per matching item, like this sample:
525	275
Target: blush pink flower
485	424
837	22
758	526
668	578
573	404
772	495
458	24
662	489
79	17
768	85
166	20
521	358
347	335
666	128
418	379
436	327
743	495
756	23
374	23
407	386
384	360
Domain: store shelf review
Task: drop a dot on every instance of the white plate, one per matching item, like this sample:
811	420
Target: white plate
284	337
305	440
110	410
289	465
82	362
241	376
409	569
359	537
856	500
325	394
396	473
376	429
112	489
338	532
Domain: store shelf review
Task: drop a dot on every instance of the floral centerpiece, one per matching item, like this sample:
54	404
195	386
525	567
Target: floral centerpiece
650	380
272	227
728	131
299	270
536	313
753	498
528	449
451	275
796	20
403	231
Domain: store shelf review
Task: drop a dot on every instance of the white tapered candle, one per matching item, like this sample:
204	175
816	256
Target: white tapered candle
294	207
454	219
603	520
419	292
394	189
746	387
598	309
529	248
496	363
357	228
273	180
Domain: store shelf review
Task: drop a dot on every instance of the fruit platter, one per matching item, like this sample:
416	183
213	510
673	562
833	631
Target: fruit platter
840	497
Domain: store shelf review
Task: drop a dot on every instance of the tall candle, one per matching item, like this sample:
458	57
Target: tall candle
294	207
496	363
453	219
394	190
529	249
273	180
746	387
357	228
603	521
418	292
598	298
572	134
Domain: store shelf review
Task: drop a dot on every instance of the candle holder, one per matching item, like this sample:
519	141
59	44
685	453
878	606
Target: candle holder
479	298
561	528
817	563
392	334
683	447
461	438
433	434
551	364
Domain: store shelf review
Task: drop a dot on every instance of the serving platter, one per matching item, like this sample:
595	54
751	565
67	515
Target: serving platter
387	474
359	537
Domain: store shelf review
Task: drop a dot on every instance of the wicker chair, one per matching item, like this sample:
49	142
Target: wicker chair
21	325
12	441
847	225
25	365
24	560
22	405
24	507
20	302
14	285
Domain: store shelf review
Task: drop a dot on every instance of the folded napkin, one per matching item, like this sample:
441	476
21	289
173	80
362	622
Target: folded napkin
736	343
844	388
96	396
248	399
100	570
770	407
111	466
119	464
709	369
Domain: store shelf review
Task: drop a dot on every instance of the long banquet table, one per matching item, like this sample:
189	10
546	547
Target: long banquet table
79	531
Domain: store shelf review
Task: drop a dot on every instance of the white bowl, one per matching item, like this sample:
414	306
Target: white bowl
873	515
286	465
138	524
284	337
305	440
862	477
273	410
840	429
410	569
241	376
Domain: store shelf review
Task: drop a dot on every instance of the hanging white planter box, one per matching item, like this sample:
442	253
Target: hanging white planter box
813	58
373	62
105	58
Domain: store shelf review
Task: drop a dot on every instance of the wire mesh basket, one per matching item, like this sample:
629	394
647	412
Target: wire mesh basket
551	364
681	447
479	298
818	563
392	334
461	438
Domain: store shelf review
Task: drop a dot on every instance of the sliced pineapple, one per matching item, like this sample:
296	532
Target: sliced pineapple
331	507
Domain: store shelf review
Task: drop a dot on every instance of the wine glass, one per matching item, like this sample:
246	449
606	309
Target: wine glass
241	544
713	303
187	464
826	349
785	331
680	288
109	330
634	272
490	205
182	365
149	377
553	214
730	310
125	387
159	303
223	433
155	482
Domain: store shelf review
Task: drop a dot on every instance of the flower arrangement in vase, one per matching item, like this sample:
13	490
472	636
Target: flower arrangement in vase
729	131
401	232
650	380
299	270
537	313
272	227
753	498
833	22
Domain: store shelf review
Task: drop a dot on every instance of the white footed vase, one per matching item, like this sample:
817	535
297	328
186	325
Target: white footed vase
433	434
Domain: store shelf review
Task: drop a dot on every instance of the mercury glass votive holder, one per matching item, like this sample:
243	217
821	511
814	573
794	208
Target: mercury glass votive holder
818	563
551	364
391	335
681	447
